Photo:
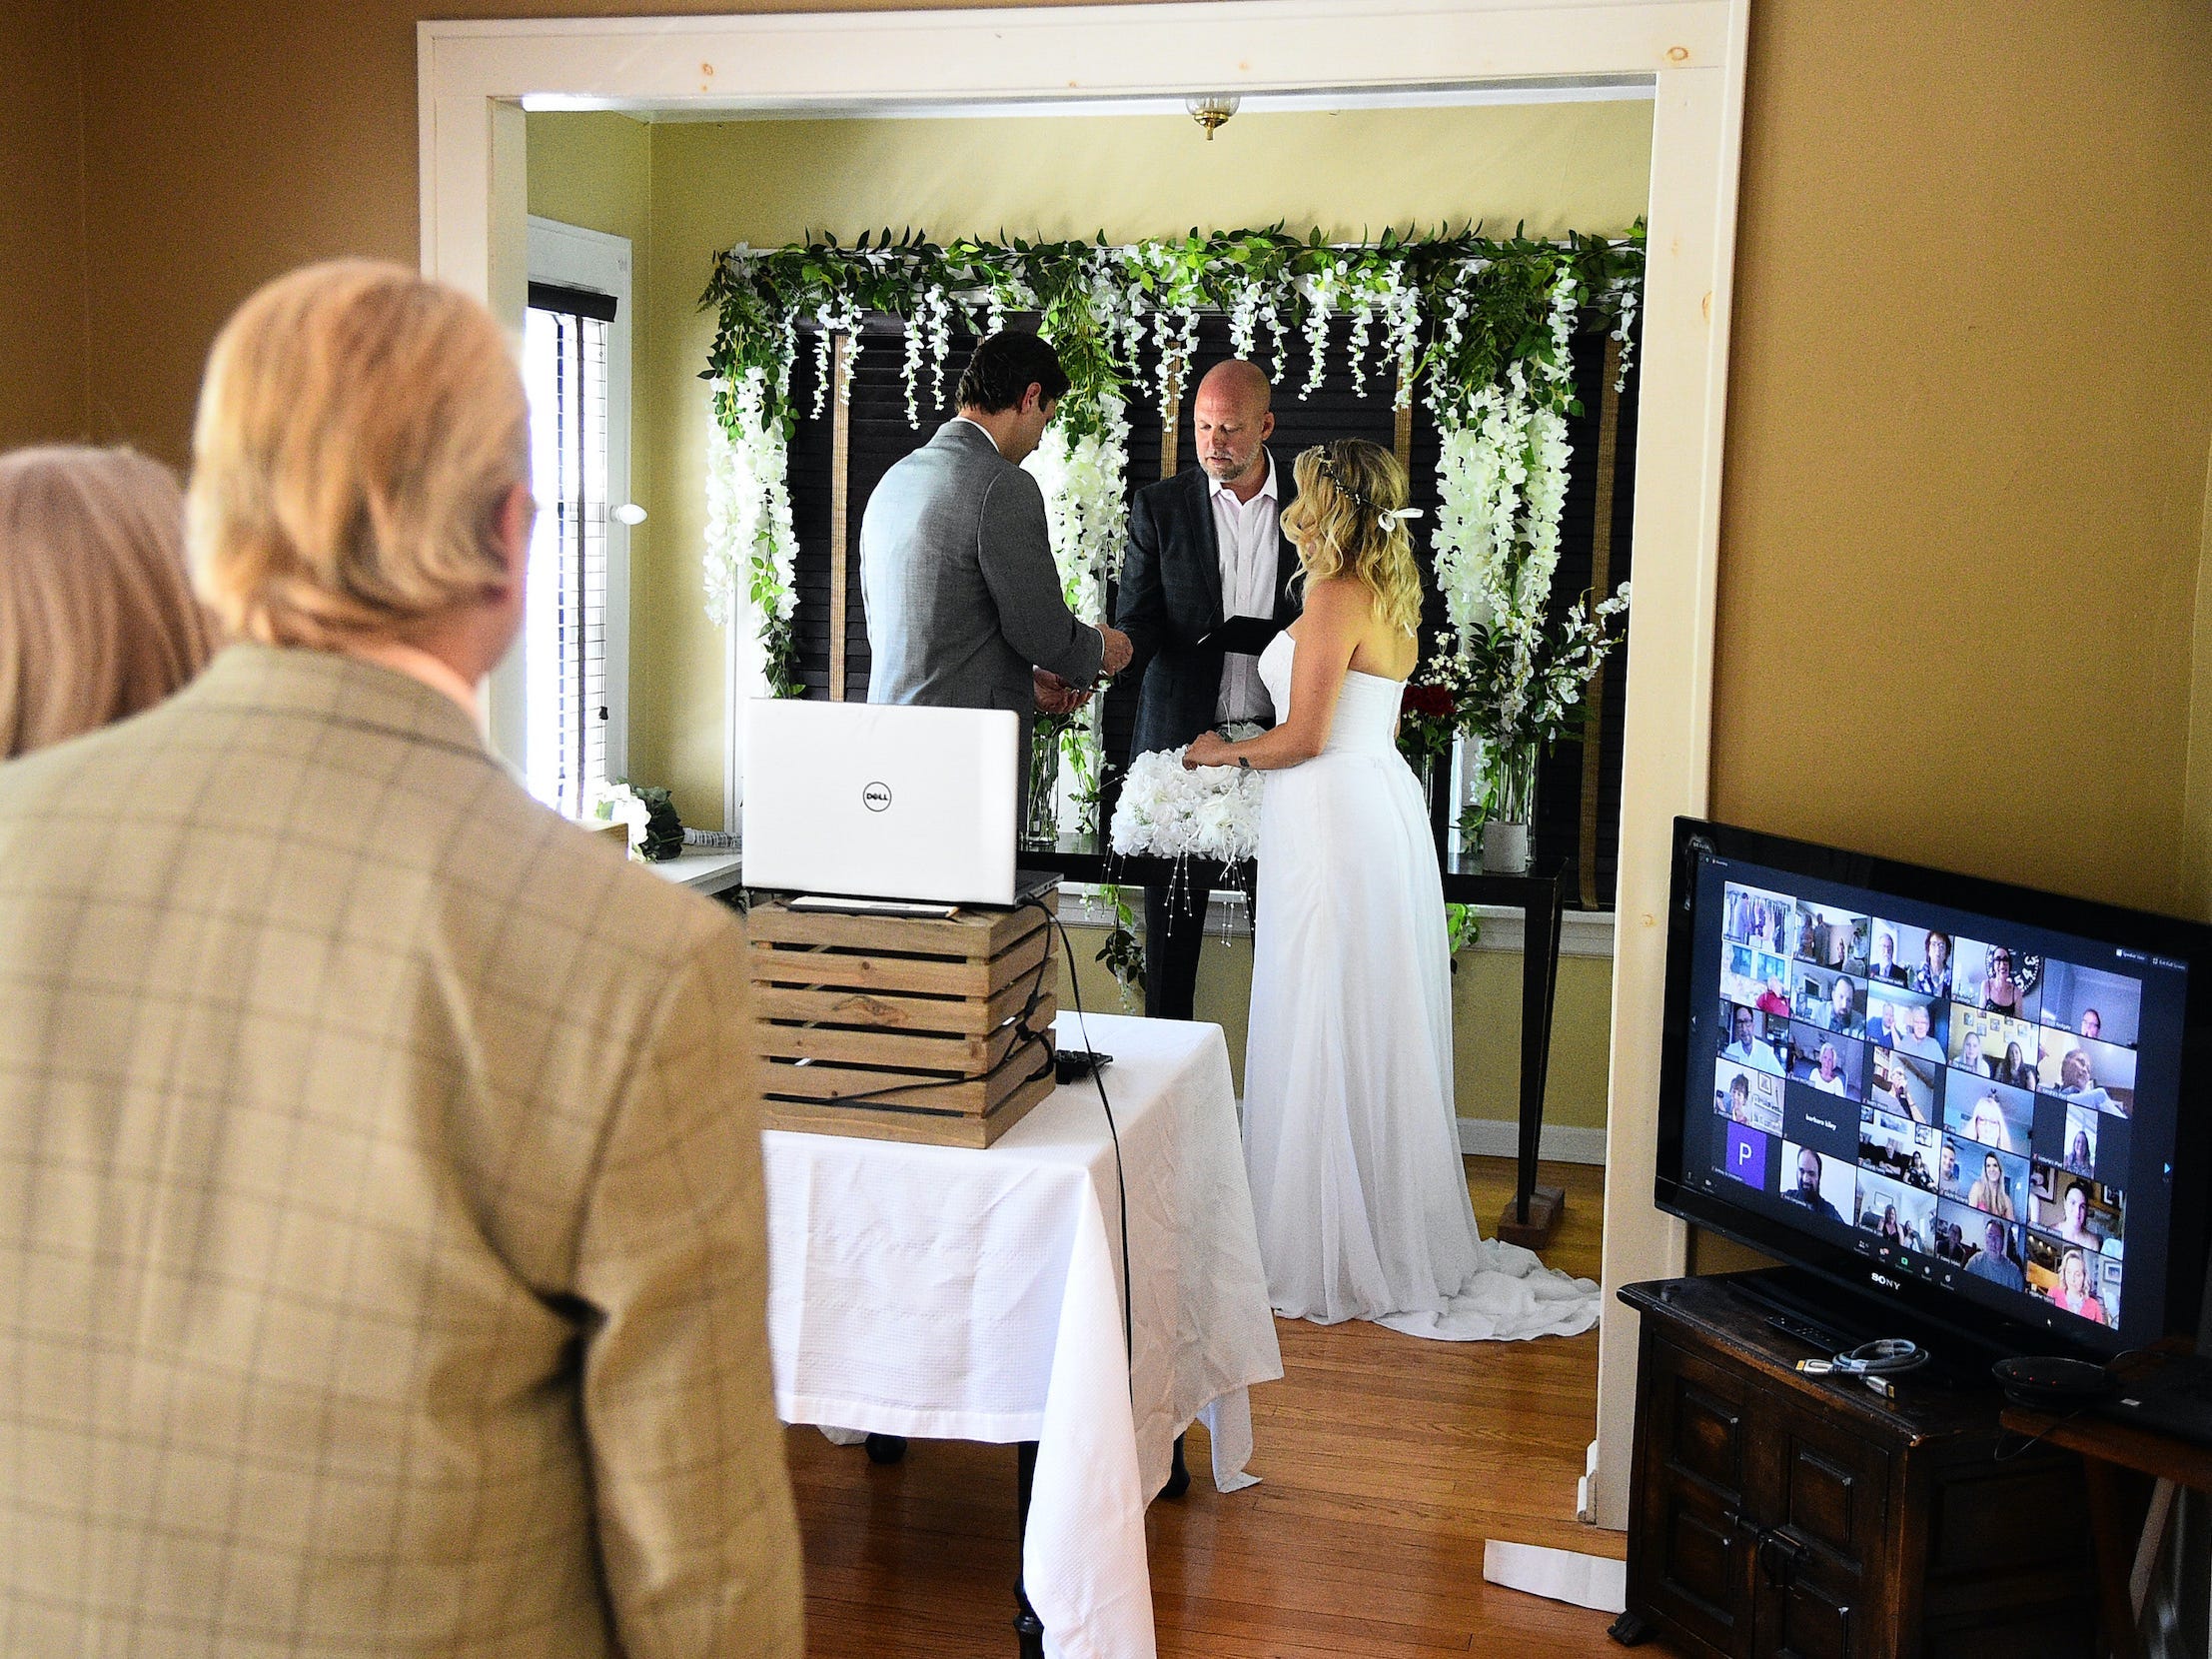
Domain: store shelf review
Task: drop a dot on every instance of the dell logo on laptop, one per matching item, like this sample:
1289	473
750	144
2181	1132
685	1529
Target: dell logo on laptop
877	797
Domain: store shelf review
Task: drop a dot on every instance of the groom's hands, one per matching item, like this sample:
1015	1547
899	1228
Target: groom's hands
1055	696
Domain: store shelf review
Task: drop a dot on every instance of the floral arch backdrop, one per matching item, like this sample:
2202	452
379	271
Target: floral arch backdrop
1477	327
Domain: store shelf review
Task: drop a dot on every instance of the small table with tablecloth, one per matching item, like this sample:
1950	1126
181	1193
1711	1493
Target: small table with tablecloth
944	1293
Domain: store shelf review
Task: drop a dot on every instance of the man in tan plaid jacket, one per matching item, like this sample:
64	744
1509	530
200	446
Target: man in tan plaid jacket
381	1261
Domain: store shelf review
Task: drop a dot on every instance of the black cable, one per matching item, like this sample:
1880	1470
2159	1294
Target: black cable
1121	1174
1024	1035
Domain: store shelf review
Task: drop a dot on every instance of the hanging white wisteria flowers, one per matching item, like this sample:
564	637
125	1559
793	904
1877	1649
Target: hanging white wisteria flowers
1478	323
751	546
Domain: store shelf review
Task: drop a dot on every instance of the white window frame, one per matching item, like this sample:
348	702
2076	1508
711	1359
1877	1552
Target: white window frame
569	256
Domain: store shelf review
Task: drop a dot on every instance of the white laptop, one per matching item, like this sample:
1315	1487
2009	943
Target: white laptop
880	802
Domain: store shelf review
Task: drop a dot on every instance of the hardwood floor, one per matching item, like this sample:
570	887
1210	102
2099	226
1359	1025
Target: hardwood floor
1385	1461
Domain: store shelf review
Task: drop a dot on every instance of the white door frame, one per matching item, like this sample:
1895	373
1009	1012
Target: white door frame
472	76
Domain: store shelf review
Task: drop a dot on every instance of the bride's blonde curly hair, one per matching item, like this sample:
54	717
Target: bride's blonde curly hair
1345	490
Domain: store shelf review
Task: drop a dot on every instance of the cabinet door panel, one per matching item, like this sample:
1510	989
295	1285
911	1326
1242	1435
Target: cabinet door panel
1807	1620
1821	1578
1688	1556
1704	1421
1832	1491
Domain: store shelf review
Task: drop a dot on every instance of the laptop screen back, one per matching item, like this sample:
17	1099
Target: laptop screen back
880	801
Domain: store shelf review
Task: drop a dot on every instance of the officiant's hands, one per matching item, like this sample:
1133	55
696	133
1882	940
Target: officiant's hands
1115	656
1055	696
1208	748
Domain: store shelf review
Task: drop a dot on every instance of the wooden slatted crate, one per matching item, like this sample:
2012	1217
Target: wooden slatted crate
924	1017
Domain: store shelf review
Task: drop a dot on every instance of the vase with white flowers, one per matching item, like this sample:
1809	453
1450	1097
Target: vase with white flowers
1526	684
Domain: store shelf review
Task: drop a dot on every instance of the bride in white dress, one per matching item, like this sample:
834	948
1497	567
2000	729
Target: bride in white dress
1351	1136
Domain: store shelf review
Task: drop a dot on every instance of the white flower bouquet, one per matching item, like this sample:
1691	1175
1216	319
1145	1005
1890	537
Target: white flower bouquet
1168	813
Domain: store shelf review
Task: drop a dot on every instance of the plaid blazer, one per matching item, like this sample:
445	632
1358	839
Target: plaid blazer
382	1254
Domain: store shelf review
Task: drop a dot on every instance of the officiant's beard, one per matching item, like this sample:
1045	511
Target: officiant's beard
1231	468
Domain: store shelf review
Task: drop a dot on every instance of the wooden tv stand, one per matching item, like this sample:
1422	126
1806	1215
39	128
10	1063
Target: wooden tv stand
1780	1514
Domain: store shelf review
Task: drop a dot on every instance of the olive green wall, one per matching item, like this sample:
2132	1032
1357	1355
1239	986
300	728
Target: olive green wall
688	190
1486	1018
595	170
1553	167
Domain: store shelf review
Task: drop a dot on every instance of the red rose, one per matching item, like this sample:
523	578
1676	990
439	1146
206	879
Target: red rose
1430	701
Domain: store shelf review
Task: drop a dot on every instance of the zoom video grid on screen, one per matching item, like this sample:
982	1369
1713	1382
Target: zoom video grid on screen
1980	1105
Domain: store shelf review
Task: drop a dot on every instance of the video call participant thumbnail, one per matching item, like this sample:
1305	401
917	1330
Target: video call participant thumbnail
1808	1174
1745	1097
1831	1063
1992	1259
2076	1289
1748	1043
2089	1073
1899	1215
1989	1113
2077	1211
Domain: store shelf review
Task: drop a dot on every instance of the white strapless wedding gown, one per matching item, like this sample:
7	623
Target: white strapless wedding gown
1350	1137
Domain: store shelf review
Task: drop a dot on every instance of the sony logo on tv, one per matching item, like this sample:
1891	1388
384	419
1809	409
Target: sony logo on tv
1884	1280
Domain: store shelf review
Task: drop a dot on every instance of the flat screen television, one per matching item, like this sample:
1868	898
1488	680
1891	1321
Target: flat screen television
1961	1106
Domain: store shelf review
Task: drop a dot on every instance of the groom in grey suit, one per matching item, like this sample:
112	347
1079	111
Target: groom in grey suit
963	602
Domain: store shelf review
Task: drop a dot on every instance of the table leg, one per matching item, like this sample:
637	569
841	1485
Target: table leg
1028	1628
1535	1210
2114	1536
1179	1476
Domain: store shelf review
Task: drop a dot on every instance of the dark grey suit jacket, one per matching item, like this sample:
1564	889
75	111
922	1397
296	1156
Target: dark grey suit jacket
956	574
1171	599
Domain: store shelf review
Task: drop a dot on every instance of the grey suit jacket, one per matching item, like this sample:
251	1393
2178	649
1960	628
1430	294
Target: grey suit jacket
382	1257
956	574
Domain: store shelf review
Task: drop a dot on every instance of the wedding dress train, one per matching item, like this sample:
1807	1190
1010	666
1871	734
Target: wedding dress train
1350	1132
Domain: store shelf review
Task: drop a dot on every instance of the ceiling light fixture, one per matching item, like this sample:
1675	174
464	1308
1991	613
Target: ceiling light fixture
1210	109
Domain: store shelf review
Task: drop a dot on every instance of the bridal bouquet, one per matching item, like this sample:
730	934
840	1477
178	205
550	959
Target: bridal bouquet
1212	813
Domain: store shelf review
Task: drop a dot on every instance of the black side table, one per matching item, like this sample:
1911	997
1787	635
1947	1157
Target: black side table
1540	898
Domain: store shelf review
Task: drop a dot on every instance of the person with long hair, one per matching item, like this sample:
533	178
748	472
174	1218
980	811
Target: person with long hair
98	620
2072	1291
1988	1125
1350	1132
2014	1069
1993	1194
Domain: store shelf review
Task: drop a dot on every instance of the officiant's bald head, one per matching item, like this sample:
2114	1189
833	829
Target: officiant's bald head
1231	422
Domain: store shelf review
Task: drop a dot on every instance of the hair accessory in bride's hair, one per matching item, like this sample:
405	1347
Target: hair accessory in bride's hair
1386	521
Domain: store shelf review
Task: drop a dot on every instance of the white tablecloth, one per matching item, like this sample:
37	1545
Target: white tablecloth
943	1294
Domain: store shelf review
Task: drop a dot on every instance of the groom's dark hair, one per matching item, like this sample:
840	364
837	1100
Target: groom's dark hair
1003	366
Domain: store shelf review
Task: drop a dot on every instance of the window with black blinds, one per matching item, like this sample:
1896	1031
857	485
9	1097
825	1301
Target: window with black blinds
1337	408
564	364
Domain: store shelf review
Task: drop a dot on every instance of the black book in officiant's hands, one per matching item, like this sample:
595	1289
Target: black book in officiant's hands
1243	636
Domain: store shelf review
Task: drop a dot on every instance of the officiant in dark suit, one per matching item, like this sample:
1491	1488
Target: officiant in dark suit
1204	547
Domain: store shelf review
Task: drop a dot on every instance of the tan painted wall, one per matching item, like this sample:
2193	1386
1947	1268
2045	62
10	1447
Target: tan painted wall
1970	400
42	226
1556	167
